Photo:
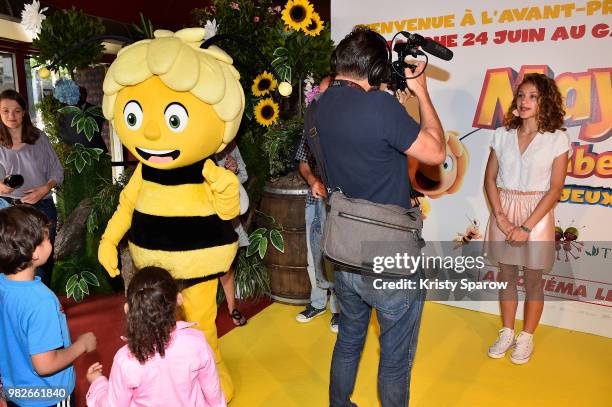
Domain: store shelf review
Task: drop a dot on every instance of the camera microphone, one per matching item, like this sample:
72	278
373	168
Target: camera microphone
430	46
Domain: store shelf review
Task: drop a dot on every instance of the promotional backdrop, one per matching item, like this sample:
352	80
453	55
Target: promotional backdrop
495	45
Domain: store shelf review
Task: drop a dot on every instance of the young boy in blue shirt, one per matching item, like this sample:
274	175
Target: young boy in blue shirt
36	353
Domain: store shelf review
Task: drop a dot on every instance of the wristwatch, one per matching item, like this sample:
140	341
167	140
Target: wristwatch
525	228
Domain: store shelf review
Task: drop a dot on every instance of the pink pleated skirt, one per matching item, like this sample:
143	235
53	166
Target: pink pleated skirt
538	253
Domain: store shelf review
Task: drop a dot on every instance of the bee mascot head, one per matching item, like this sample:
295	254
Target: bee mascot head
173	105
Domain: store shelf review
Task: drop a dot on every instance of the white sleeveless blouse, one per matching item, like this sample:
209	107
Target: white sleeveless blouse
531	170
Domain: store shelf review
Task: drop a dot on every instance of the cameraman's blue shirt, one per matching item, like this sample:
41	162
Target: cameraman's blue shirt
364	136
31	322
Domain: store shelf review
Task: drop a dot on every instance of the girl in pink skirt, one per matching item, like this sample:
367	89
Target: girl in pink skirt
524	179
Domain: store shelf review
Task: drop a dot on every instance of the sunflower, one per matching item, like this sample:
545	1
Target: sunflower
266	112
263	84
315	27
297	14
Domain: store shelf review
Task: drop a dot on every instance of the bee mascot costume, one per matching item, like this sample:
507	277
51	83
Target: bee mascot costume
173	106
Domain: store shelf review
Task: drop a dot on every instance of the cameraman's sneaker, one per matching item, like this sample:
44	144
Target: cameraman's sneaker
309	313
335	321
523	348
502	344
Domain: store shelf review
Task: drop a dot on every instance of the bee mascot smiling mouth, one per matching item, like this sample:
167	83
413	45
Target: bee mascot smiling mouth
173	105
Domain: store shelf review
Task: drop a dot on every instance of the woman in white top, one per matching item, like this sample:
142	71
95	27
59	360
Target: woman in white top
524	179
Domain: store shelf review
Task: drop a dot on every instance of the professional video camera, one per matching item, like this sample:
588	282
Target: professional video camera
411	47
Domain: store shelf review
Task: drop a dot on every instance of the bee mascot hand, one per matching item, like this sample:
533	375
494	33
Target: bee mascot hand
107	256
222	188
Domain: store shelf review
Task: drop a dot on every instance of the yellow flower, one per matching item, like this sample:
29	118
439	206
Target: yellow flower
266	112
263	84
297	14
315	27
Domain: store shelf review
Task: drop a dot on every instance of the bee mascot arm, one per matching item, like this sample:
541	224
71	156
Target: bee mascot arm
119	224
221	188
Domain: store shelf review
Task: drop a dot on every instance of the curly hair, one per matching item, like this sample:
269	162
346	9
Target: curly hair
550	104
29	133
151	316
22	229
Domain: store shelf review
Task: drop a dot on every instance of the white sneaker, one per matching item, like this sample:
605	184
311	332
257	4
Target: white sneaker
523	348
502	344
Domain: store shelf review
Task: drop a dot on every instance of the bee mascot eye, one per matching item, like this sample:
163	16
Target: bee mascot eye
176	117
132	115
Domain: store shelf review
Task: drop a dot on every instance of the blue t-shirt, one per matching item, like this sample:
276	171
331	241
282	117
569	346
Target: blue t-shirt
364	136
31	322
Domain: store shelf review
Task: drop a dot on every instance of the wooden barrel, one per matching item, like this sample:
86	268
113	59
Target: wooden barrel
284	200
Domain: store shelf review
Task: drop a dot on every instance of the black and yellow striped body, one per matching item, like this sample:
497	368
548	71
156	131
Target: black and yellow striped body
185	236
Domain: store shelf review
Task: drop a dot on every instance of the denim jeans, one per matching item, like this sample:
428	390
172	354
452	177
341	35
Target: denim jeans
315	219
399	316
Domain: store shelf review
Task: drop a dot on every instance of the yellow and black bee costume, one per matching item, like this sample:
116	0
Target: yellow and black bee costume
173	105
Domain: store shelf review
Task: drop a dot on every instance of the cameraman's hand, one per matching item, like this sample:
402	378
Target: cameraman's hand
317	189
418	86
403	96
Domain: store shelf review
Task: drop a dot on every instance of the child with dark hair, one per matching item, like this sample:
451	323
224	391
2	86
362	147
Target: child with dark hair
35	348
524	179
165	362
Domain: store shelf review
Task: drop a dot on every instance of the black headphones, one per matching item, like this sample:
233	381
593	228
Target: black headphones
380	69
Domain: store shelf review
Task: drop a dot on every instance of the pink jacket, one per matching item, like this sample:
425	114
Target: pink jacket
186	376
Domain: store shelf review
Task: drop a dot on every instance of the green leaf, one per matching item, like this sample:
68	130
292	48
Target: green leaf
283	70
83	286
79	126
87	157
92	222
254	245
263	247
90	278
70	109
88	129
94	111
94	124
75	121
259	231
281	52
78	293
97	152
71	282
71	157
277	240
80	163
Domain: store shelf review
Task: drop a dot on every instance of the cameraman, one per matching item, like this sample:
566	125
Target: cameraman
365	135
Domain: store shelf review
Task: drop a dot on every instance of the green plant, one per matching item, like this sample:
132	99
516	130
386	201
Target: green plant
77	287
258	240
68	274
145	29
279	145
82	156
251	276
106	199
49	110
84	120
60	41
